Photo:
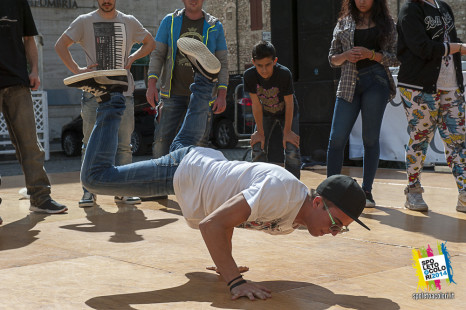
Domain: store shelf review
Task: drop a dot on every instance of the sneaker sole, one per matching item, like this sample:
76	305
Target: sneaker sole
93	74
38	210
370	205
198	50
86	204
127	202
416	208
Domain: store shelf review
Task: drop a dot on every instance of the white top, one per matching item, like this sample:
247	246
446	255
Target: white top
447	76
205	180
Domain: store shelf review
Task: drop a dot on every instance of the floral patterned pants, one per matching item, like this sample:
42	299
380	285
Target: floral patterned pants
425	113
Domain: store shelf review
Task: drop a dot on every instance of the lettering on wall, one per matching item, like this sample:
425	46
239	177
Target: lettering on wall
61	4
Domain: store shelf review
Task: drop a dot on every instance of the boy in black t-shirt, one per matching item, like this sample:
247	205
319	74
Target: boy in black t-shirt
270	86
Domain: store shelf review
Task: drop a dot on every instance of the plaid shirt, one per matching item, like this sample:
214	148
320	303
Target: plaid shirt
343	40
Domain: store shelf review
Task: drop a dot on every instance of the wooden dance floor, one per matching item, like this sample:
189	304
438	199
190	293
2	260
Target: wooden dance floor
146	257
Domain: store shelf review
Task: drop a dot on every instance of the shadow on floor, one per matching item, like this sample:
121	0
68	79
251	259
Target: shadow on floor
124	223
19	234
208	288
439	226
171	206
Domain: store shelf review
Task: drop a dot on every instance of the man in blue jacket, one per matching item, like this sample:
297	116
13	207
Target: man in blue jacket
177	74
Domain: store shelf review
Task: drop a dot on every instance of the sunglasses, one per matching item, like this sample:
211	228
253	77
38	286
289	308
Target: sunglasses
334	228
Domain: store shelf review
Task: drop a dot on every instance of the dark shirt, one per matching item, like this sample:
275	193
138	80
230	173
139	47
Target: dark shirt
15	22
271	92
366	38
421	32
183	75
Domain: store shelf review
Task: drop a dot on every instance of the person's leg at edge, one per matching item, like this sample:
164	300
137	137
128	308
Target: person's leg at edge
206	137
124	153
373	103
344	117
419	108
18	110
196	119
421	112
172	115
99	173
257	153
292	153
452	129
88	114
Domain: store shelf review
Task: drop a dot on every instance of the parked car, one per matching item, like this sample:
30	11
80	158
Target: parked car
141	138
236	122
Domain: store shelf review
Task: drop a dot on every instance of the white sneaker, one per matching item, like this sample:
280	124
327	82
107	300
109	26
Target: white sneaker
202	60
100	83
461	205
88	200
127	200
414	200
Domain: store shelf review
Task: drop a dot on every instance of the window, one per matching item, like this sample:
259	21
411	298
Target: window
256	14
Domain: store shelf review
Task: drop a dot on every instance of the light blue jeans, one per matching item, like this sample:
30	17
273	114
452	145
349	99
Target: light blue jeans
370	98
172	116
89	106
152	177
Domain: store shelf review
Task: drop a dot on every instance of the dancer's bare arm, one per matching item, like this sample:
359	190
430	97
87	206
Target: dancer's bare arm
217	230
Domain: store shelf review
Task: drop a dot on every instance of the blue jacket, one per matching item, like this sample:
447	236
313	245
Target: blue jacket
162	59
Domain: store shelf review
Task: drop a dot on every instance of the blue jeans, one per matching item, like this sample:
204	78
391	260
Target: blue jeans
172	115
18	110
89	106
152	177
370	98
292	153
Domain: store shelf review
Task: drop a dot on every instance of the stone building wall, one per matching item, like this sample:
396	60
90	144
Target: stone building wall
243	42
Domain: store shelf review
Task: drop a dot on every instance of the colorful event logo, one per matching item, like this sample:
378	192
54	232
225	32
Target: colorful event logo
432	269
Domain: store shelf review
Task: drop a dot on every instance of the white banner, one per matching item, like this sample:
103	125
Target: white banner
394	136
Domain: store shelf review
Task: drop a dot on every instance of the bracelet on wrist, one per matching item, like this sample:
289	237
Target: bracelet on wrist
373	55
238	277
237	284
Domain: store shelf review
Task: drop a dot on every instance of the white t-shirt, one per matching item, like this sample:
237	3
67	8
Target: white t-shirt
205	180
447	76
107	42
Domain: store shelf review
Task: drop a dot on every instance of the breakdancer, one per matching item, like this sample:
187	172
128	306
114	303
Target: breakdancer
215	195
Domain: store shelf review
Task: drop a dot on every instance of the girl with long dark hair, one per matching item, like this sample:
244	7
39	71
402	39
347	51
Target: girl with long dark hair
431	87
364	46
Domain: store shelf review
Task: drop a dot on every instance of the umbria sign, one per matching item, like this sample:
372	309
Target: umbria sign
60	4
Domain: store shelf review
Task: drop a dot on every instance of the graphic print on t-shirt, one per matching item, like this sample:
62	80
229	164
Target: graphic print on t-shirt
269	99
110	45
259	225
6	19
